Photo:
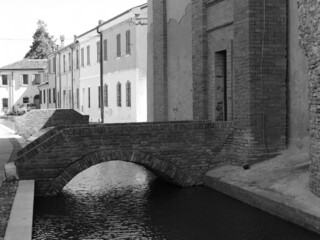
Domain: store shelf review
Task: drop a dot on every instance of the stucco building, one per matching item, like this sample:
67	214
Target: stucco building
119	44
19	84
105	81
232	61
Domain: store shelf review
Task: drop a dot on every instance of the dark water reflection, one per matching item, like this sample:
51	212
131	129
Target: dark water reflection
118	200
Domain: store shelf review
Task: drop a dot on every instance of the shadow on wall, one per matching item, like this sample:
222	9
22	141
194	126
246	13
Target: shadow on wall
35	120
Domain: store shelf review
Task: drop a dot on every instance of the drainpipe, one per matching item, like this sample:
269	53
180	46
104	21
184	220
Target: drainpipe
72	101
101	77
11	92
55	81
60	100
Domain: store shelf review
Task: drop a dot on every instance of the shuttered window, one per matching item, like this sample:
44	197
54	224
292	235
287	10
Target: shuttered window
98	52
128	44
105	50
105	93
119	94
118	45
128	94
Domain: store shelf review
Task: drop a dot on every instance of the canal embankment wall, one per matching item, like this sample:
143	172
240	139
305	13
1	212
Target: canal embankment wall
21	216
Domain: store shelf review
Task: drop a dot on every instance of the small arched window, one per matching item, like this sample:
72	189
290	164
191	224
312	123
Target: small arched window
105	93
119	94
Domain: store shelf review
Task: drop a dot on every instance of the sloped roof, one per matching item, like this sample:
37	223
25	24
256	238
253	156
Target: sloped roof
26	64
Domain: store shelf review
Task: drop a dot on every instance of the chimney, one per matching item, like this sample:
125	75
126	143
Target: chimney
100	22
62	41
74	38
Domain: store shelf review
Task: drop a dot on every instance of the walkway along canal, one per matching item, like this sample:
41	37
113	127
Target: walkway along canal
118	200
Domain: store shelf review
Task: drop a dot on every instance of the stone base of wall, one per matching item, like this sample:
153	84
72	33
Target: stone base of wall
278	186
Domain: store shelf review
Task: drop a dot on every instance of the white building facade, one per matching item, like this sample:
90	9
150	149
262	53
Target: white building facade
19	84
105	81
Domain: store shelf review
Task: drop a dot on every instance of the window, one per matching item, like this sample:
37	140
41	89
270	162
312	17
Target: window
54	95
82	57
64	99
70	99
4	79
89	98
119	94
88	55
5	102
83	98
98	52
44	96
25	79
49	95
37	79
25	100
128	94
54	64
77	97
77	59
128	46
118	45
105	93
99	95
69	61
105	50
59	100
221	86
64	63
40	96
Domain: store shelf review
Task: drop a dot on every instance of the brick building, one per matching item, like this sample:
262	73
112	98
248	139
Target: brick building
230	61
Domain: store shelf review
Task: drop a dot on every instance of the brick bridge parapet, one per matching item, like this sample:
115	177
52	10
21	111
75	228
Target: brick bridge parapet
180	152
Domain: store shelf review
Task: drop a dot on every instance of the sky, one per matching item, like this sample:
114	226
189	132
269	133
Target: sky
18	21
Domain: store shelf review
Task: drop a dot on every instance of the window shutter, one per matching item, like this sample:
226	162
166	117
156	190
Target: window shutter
21	79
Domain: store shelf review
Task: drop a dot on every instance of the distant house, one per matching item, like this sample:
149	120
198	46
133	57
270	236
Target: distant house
19	83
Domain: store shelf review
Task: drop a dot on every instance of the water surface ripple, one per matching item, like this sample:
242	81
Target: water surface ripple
118	200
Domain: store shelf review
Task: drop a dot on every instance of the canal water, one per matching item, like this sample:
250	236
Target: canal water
118	200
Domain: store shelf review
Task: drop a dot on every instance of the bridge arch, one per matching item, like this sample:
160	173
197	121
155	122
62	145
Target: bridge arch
163	169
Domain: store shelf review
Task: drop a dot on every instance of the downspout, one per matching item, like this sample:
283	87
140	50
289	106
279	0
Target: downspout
60	100
55	82
11	92
72	100
101	77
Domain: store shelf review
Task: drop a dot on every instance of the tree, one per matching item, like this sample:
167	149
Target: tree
43	43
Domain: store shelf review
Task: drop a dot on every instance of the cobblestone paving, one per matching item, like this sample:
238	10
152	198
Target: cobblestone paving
8	192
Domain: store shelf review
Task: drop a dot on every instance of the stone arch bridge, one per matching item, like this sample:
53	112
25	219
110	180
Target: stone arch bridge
179	152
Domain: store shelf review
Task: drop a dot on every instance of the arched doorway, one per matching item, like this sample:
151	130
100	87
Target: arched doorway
36	101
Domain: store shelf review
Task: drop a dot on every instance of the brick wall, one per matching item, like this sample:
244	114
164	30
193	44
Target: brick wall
160	86
179	151
35	120
260	65
309	25
199	60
